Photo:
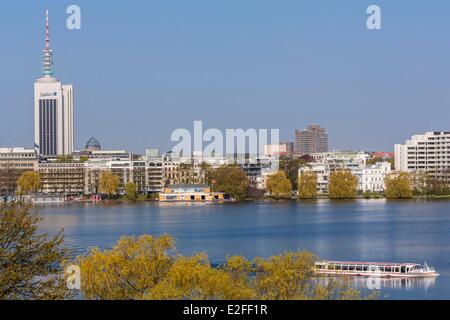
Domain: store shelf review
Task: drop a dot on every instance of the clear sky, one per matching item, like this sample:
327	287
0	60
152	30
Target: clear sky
144	68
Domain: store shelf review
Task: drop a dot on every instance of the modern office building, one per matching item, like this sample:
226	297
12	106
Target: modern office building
429	152
62	177
53	109
311	140
155	171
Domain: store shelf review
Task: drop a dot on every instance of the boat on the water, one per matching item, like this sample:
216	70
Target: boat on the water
374	269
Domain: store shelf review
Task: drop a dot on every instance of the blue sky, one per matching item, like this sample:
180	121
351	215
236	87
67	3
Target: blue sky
144	68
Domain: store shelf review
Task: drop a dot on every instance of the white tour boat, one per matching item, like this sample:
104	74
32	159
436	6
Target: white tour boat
374	269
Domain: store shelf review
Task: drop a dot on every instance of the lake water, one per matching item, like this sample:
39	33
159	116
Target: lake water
362	230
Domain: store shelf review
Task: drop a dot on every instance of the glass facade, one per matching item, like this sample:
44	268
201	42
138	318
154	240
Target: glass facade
47	126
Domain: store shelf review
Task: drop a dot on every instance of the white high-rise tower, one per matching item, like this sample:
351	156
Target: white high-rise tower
53	109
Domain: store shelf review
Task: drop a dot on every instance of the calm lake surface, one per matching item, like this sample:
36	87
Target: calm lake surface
362	230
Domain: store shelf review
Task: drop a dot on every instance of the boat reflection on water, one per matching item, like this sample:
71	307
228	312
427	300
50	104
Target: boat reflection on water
378	283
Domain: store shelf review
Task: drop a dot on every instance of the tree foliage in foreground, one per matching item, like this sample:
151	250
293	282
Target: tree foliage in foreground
30	263
398	185
307	185
343	185
150	268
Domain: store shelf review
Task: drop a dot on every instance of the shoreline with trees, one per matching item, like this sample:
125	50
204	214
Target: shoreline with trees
232	181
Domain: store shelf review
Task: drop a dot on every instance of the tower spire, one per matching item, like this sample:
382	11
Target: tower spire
48	53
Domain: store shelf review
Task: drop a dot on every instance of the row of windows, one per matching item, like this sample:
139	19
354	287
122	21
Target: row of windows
47	126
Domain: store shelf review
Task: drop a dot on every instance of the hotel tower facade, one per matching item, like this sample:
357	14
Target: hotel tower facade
53	109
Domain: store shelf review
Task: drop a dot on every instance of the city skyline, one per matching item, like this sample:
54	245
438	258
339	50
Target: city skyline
170	89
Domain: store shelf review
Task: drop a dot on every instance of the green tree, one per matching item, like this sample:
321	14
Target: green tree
231	179
29	182
399	185
307	185
291	167
131	191
279	186
109	183
30	263
342	185
150	268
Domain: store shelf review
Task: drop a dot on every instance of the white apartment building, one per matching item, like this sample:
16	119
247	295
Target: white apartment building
18	158
370	178
429	152
341	160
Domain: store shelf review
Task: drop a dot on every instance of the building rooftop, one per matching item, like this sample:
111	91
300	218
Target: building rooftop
183	186
16	150
93	143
